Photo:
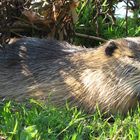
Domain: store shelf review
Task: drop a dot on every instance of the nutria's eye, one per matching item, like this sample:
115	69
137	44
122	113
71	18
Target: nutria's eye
131	56
110	48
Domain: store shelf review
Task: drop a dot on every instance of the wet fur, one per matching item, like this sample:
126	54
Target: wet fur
108	76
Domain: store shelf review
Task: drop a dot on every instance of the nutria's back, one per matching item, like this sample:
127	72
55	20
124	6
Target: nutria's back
29	49
108	76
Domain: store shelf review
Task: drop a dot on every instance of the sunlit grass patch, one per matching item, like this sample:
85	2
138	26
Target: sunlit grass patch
36	121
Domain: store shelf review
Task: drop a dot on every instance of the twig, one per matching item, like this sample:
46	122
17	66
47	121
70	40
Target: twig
126	18
17	34
90	37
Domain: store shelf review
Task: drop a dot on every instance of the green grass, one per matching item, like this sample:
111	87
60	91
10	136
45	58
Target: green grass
35	121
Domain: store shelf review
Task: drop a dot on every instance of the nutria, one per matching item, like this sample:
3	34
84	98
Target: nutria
107	77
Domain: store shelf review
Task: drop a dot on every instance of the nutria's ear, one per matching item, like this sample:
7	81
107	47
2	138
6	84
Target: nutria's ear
110	48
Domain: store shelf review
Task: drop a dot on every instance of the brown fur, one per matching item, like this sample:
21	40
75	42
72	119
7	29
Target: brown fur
108	76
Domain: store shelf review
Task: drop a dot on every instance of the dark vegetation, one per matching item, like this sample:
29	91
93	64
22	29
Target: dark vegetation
58	19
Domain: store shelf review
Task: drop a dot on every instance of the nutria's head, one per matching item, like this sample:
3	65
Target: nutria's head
116	48
127	47
113	81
